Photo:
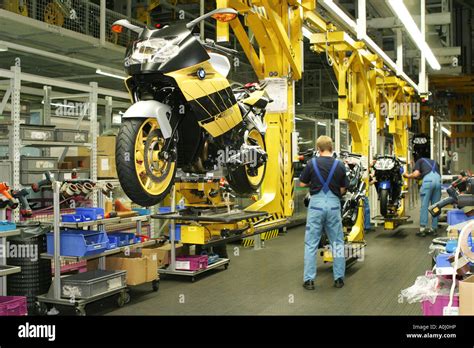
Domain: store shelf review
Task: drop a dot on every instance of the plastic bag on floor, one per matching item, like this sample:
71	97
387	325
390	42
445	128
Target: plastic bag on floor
425	288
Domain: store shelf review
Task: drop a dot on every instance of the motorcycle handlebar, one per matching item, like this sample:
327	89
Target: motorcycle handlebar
211	44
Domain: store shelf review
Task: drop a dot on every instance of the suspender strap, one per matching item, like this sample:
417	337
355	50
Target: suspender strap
326	182
433	166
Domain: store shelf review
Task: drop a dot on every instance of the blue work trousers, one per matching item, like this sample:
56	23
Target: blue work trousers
324	215
430	193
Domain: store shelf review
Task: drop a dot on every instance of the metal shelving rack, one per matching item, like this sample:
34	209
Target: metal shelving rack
4	268
13	93
54	294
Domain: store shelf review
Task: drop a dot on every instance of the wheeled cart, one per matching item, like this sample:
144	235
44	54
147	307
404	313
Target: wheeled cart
80	304
219	263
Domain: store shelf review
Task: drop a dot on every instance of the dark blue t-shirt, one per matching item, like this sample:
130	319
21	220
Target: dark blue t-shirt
424	168
308	176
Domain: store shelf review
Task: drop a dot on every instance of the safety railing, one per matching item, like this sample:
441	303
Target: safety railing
80	16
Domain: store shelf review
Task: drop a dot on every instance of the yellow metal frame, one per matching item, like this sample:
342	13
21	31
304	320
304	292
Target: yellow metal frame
277	28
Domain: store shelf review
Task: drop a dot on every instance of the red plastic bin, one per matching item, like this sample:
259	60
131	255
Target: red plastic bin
191	262
430	309
13	306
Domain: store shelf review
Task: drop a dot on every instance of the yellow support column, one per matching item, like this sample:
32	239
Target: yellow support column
277	28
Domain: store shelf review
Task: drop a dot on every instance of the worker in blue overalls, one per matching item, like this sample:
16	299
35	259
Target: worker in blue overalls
430	191
326	177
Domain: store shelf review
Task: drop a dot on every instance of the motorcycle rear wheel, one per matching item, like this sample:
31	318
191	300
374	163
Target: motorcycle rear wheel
384	202
145	177
239	179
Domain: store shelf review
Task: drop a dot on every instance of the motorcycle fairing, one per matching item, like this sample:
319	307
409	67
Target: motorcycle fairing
152	108
210	97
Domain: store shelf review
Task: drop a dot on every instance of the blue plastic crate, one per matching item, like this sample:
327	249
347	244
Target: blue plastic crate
457	216
142	211
177	232
7	226
92	213
73	218
79	242
122	238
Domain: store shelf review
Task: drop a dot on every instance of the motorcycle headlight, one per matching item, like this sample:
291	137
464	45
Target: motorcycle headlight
384	164
154	51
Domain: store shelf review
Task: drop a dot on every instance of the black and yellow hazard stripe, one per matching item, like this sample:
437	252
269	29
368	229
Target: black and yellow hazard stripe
249	241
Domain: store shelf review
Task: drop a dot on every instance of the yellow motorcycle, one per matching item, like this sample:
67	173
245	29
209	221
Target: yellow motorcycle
185	113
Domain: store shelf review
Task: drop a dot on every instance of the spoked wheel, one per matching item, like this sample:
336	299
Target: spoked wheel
146	172
243	180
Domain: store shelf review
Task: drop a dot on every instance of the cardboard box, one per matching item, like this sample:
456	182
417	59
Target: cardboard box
466	296
163	253
106	167
106	145
140	268
65	165
78	162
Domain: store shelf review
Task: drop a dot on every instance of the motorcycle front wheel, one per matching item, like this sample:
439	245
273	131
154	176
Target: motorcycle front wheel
384	202
240	179
144	174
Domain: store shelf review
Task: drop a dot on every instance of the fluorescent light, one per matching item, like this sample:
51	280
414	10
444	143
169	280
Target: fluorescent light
399	8
446	131
105	73
3	48
322	124
298	119
338	11
60	105
307	33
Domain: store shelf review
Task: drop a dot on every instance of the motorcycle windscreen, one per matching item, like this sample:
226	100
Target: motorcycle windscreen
211	98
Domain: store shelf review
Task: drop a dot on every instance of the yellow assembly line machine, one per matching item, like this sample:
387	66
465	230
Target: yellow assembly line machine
363	84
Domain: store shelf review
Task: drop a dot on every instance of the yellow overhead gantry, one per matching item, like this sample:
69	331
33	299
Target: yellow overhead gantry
277	29
363	84
276	26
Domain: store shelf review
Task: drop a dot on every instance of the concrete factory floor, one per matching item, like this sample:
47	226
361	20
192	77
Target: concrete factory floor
268	282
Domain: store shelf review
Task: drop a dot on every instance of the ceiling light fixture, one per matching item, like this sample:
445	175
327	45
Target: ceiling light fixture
399	8
105	73
446	131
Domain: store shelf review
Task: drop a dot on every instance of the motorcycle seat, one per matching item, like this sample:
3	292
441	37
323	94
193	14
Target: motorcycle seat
220	63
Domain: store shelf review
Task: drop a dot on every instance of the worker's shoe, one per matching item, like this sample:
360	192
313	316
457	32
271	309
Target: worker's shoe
339	283
308	285
432	231
422	232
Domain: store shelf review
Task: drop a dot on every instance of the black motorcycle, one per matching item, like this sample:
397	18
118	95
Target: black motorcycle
388	172
356	190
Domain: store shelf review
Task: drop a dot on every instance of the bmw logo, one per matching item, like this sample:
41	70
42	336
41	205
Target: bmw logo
201	74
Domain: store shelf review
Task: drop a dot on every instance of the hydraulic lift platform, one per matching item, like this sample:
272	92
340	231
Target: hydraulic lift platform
226	225
392	222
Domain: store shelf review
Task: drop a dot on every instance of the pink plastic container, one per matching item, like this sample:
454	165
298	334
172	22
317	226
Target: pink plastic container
191	262
13	306
436	308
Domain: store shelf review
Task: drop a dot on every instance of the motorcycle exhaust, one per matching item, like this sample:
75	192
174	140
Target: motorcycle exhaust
70	190
107	188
